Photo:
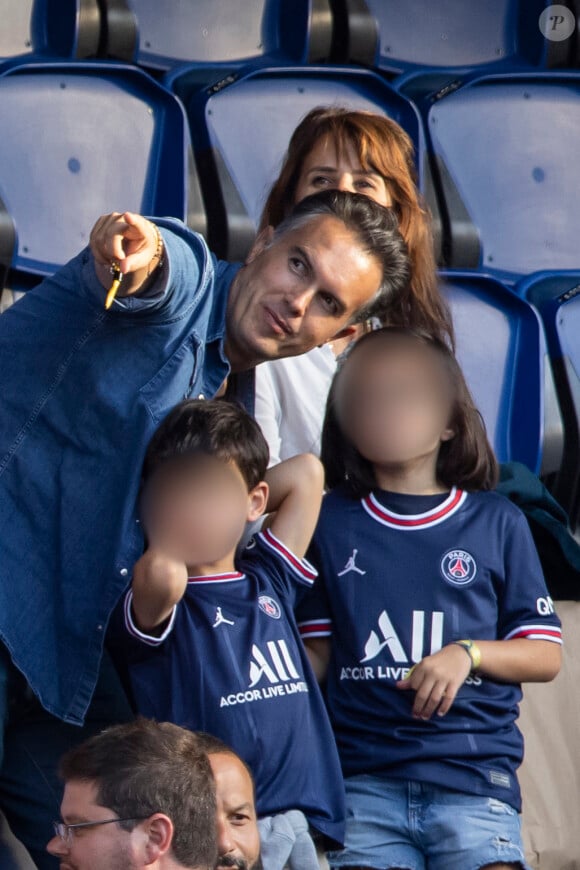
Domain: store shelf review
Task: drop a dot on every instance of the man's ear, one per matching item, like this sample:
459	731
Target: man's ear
257	501
158	830
263	239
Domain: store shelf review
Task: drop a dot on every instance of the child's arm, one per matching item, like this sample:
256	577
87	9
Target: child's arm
159	583
318	652
437	678
296	487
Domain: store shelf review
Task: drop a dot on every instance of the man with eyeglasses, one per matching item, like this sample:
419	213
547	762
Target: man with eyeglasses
139	796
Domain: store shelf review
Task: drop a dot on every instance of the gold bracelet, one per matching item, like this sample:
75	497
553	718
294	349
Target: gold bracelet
472	650
158	255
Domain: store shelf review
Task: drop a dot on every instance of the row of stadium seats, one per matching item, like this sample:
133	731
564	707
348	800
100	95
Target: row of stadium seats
203	139
400	39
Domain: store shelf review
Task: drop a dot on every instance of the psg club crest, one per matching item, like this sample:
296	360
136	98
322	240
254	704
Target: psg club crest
458	567
270	607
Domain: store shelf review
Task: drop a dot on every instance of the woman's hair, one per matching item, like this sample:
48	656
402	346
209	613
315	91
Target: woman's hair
466	460
381	146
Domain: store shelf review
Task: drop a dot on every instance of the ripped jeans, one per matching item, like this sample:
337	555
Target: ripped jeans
401	823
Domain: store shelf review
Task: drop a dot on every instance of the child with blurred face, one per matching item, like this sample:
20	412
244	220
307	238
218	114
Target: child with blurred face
429	611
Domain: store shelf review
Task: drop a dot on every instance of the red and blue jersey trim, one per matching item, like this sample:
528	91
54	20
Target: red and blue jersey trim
226	577
301	567
315	628
410	522
536	632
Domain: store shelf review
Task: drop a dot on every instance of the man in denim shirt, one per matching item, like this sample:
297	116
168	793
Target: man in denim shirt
83	388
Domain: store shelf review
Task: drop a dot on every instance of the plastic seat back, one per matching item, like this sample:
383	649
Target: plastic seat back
241	131
87	139
502	351
506	155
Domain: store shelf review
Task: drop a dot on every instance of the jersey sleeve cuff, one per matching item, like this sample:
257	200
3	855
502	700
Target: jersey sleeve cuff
301	568
149	639
315	628
552	633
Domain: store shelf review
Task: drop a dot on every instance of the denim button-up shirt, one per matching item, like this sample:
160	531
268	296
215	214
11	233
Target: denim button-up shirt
82	391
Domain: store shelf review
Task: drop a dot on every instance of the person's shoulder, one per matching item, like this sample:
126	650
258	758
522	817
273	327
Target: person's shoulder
496	504
265	554
337	505
340	498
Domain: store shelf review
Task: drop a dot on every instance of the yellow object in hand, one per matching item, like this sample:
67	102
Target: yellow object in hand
113	289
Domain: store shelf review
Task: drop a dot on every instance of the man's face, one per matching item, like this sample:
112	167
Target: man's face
298	292
102	847
237	829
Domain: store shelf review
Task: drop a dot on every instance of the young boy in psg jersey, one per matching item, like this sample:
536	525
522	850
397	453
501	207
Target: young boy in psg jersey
208	640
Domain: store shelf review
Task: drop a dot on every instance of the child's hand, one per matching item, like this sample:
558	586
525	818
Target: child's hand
159	583
436	680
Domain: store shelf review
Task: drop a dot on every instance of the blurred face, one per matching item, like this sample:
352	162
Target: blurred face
297	291
196	508
237	829
325	168
103	847
394	401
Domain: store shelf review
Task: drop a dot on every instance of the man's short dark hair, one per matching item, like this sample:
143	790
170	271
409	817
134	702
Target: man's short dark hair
212	745
215	427
144	767
377	230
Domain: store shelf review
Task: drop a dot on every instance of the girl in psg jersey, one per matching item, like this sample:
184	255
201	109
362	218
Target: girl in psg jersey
429	612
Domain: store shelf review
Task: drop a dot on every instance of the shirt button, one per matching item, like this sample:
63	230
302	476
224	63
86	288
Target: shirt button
201	396
123	572
99	627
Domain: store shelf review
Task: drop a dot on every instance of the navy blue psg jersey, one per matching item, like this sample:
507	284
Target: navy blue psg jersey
231	662
399	578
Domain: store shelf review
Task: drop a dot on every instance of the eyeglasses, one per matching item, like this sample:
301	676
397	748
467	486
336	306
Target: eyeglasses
66	832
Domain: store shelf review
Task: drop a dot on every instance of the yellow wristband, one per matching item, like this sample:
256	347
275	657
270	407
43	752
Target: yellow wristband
473	651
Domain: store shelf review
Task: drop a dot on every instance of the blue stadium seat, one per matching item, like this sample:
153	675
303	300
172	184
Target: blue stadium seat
505	150
60	28
81	140
241	129
556	295
502	350
455	36
217	33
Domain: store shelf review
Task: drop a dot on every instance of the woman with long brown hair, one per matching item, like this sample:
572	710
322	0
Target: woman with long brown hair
367	153
379	155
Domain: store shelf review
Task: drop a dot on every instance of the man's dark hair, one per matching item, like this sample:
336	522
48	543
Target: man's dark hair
144	767
377	230
215	427
466	460
212	745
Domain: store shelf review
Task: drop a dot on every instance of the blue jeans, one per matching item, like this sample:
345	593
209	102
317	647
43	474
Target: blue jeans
404	824
31	744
